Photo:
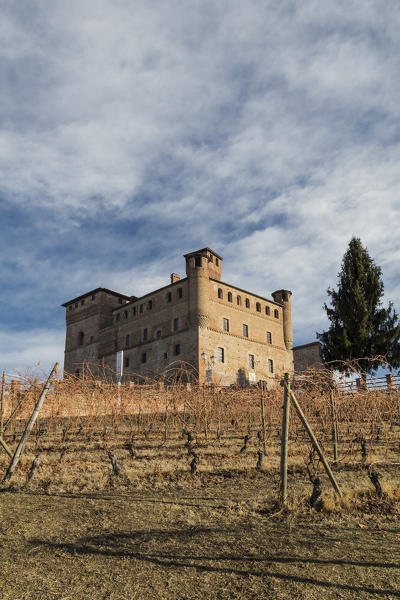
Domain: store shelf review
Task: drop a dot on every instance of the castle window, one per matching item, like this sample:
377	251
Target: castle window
117	317
165	356
93	297
76	304
176	324
119	300
134	311
81	338
158	334
239	300
276	314
245	330
125	314
169	297
210	258
269	337
144	357
198	261
150	305
247	303
221	355
145	334
270	365
220	293
267	310
91	339
141	308
180	293
127	361
77	373
83	301
127	340
217	261
177	349
225	324
229	296
251	361
70	307
258	307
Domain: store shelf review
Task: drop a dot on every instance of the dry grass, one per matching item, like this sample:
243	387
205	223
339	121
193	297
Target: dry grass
77	531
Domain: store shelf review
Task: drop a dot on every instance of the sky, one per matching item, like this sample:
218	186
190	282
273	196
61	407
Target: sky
134	132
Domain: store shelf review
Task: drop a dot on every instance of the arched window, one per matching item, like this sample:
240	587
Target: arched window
276	314
247	303
220	293
258	307
81	338
239	300
229	296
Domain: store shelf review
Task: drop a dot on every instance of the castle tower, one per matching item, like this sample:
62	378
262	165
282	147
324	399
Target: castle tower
283	297
201	265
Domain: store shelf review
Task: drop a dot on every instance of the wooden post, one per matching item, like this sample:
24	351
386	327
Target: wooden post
3	385
285	439
263	421
315	443
20	448
334	425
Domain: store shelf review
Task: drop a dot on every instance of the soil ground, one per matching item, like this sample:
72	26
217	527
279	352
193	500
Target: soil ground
216	539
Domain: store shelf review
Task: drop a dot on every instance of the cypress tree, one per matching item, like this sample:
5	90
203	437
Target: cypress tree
359	326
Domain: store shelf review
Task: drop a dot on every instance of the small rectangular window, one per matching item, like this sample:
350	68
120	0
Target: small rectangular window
198	261
169	297
150	305
267	310
180	293
276	314
119	300
141	308
70	307
165	355
127	361
217	261
76	304
91	339
251	361
270	365
176	324
145	334
245	330
117	317
221	355
83	301
177	349
269	337
144	357
225	324
93	296
127	340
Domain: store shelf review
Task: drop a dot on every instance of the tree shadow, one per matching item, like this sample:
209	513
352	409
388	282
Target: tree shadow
132	545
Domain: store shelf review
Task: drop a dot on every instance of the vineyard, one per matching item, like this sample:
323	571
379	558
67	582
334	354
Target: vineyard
93	435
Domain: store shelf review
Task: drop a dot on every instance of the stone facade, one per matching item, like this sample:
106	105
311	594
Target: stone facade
224	334
307	356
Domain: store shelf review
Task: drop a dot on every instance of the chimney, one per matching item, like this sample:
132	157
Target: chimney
175	277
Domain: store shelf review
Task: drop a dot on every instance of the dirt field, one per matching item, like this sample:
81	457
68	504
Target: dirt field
77	530
221	540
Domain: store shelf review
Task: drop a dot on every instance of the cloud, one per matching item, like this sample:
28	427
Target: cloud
133	134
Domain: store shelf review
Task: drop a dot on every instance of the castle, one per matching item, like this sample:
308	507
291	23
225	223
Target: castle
227	335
